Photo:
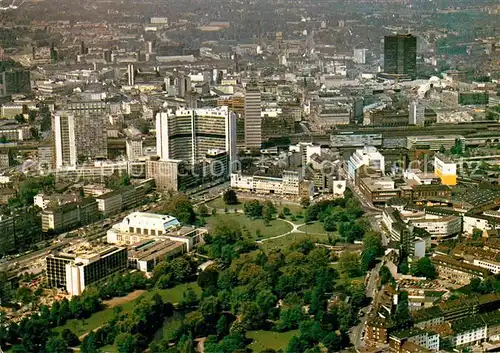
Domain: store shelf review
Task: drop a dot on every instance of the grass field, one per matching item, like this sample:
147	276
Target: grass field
293	238
313	228
220	205
269	339
80	327
276	227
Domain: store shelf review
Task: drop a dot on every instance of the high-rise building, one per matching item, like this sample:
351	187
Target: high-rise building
134	149
107	55
76	270
77	137
416	113
360	56
253	119
367	157
400	55
14	81
131	74
188	134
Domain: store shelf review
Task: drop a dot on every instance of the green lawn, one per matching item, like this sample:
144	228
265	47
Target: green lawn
276	227
293	238
269	339
220	205
109	349
80	327
314	228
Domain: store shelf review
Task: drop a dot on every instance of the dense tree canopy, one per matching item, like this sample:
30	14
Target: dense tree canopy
181	208
230	197
425	268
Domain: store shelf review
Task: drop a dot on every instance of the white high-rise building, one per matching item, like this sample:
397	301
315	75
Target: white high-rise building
369	157
253	119
416	114
131	74
188	134
64	145
360	56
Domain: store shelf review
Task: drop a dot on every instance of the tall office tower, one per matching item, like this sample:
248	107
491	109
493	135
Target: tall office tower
416	113
134	148
360	56
253	119
14	81
77	137
107	55
149	47
64	146
188	134
400	55
83	48
131	74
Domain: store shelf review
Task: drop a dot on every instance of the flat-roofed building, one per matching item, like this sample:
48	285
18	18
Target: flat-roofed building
457	271
74	270
145	255
140	226
433	143
367	157
445	169
439	227
379	190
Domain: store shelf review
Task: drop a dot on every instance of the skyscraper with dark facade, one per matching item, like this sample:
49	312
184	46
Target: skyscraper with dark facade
400	55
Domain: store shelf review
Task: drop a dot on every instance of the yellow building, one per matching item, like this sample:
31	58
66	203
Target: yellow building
445	169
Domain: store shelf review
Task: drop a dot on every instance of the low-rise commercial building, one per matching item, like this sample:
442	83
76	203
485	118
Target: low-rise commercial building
439	227
379	190
141	226
145	255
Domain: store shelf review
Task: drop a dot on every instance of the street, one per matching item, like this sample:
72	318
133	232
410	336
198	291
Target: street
356	333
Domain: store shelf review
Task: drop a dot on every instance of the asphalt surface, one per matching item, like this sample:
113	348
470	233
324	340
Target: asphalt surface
357	332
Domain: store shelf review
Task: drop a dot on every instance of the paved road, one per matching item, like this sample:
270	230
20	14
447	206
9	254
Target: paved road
371	287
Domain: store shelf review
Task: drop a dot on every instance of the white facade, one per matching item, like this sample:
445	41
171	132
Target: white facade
479	222
420	246
360	56
440	226
492	266
147	223
470	336
64	139
427	340
416	114
288	184
291	181
369	157
138	226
